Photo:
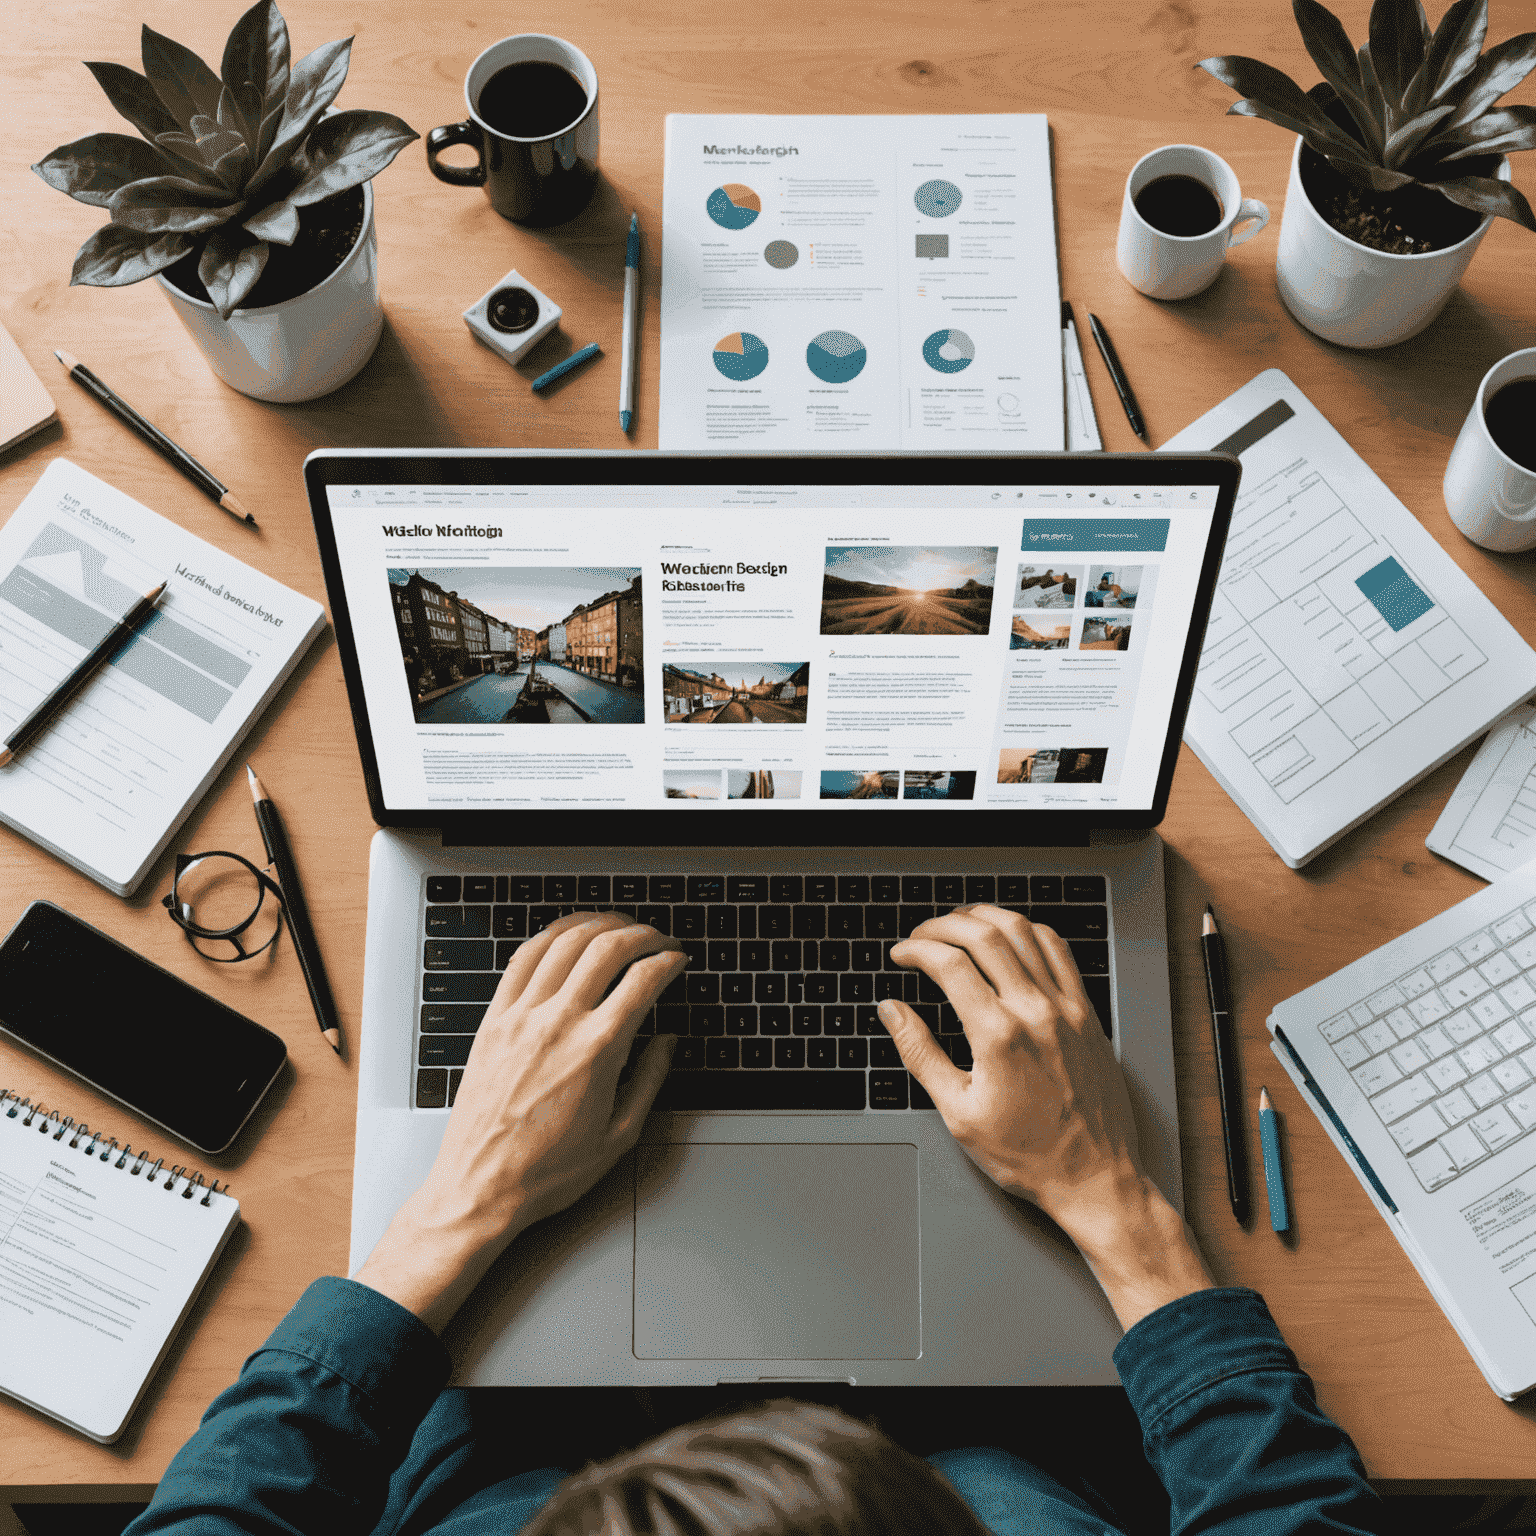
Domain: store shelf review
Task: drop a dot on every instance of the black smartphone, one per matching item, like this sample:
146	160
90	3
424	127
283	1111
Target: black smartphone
132	1030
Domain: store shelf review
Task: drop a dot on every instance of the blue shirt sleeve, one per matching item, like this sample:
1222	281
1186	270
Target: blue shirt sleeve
1231	1424
307	1437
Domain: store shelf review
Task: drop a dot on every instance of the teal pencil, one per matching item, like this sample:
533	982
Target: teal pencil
1274	1175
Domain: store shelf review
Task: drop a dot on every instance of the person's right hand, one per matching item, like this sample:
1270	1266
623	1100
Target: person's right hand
1043	1109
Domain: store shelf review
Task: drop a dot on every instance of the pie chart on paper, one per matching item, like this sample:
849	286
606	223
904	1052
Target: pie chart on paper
937	199
734	205
949	351
835	357
741	356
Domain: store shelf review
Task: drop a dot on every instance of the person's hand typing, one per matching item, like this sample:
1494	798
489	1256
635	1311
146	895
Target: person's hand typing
1044	1110
539	1116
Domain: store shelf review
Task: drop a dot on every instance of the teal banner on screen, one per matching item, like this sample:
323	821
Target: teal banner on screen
1094	534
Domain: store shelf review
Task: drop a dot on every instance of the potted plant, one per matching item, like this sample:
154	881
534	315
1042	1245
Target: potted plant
1399	167
248	198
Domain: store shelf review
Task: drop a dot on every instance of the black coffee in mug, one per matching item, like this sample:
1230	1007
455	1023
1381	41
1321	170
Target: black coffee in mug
1179	205
1511	417
531	100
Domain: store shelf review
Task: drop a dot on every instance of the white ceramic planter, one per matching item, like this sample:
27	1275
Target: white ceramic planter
304	347
1352	295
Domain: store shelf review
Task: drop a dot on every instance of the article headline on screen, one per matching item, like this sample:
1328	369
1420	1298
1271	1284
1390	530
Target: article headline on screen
442	531
741	568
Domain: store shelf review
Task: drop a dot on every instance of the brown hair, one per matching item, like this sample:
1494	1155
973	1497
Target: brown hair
780	1468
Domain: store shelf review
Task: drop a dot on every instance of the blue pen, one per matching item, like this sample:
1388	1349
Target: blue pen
575	360
1274	1176
631	315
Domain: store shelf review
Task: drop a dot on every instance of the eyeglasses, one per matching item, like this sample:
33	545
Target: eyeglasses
219	900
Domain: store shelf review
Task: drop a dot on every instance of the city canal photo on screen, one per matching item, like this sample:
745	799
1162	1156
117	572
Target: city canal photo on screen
521	645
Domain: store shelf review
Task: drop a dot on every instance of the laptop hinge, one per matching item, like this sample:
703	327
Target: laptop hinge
1058	838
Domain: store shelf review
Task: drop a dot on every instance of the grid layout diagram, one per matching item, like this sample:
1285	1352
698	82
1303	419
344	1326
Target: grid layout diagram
1321	639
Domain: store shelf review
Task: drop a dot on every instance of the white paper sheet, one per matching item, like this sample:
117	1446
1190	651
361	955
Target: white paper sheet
844	283
1489	823
1347	654
115	775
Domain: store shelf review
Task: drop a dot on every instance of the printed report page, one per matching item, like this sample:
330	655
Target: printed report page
781	647
860	282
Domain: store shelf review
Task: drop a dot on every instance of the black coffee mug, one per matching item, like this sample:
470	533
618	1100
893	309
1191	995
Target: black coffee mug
535	168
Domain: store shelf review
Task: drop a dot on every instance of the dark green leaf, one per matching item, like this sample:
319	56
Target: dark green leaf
1426	31
1457	43
91	169
229	267
311	89
217	145
1494	133
231	114
1332	147
1374	178
1376	125
1397	47
1483	194
166	203
181	80
1278	99
1412	134
346	150
1327	98
182	151
1329	45
1501	69
134	97
257	56
278	222
232	168
114	257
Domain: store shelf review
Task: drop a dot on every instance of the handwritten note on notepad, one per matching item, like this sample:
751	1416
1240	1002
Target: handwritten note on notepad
1347	655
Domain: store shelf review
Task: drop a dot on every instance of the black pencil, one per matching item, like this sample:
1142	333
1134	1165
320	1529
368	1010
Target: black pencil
1226	1065
276	839
156	439
1117	376
44	715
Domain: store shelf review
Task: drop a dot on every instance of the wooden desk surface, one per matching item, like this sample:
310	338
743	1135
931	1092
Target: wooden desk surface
1116	82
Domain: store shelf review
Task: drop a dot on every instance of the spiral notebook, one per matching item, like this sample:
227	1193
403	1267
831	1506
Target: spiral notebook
102	1253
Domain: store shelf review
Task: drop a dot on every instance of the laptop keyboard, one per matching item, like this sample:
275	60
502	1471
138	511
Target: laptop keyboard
1445	1052
777	1009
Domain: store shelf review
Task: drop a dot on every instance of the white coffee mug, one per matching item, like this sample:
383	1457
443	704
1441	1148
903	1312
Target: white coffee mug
1176	266
1490	497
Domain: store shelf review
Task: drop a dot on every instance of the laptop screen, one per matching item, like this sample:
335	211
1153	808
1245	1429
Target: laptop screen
734	650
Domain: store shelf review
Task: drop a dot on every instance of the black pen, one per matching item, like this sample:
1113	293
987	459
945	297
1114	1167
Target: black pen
51	707
281	855
1226	1065
208	484
1117	374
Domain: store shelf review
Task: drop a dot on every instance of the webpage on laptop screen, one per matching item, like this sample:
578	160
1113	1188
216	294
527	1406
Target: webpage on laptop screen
709	648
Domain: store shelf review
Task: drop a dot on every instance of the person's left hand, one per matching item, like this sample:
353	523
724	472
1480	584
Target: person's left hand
539	1115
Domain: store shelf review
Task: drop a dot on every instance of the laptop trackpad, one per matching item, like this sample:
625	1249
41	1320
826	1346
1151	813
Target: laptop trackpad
792	1252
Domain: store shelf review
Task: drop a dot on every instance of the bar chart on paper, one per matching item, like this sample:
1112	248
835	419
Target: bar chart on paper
1347	654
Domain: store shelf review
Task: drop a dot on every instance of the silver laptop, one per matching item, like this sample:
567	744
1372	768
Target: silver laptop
784	708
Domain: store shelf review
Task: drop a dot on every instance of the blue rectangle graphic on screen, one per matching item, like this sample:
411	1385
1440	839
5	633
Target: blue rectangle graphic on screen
1394	594
1093	534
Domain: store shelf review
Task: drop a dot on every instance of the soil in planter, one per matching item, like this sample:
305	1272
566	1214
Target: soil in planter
327	232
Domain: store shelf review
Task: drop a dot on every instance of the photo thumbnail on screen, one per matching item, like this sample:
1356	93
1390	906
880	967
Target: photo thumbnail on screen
1112	586
901	589
860	783
1037	634
762	783
736	692
1110	633
1052	765
521	645
1045	586
937	784
691	783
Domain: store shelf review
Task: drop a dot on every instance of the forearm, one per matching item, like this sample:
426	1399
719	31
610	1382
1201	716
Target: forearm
1232	1427
307	1437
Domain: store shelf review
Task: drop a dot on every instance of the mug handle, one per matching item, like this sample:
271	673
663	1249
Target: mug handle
471	175
1250	208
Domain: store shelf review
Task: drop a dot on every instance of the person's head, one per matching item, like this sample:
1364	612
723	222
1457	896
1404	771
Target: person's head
780	1468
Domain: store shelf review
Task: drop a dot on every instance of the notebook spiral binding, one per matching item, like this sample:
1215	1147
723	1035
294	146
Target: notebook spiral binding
50	1121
